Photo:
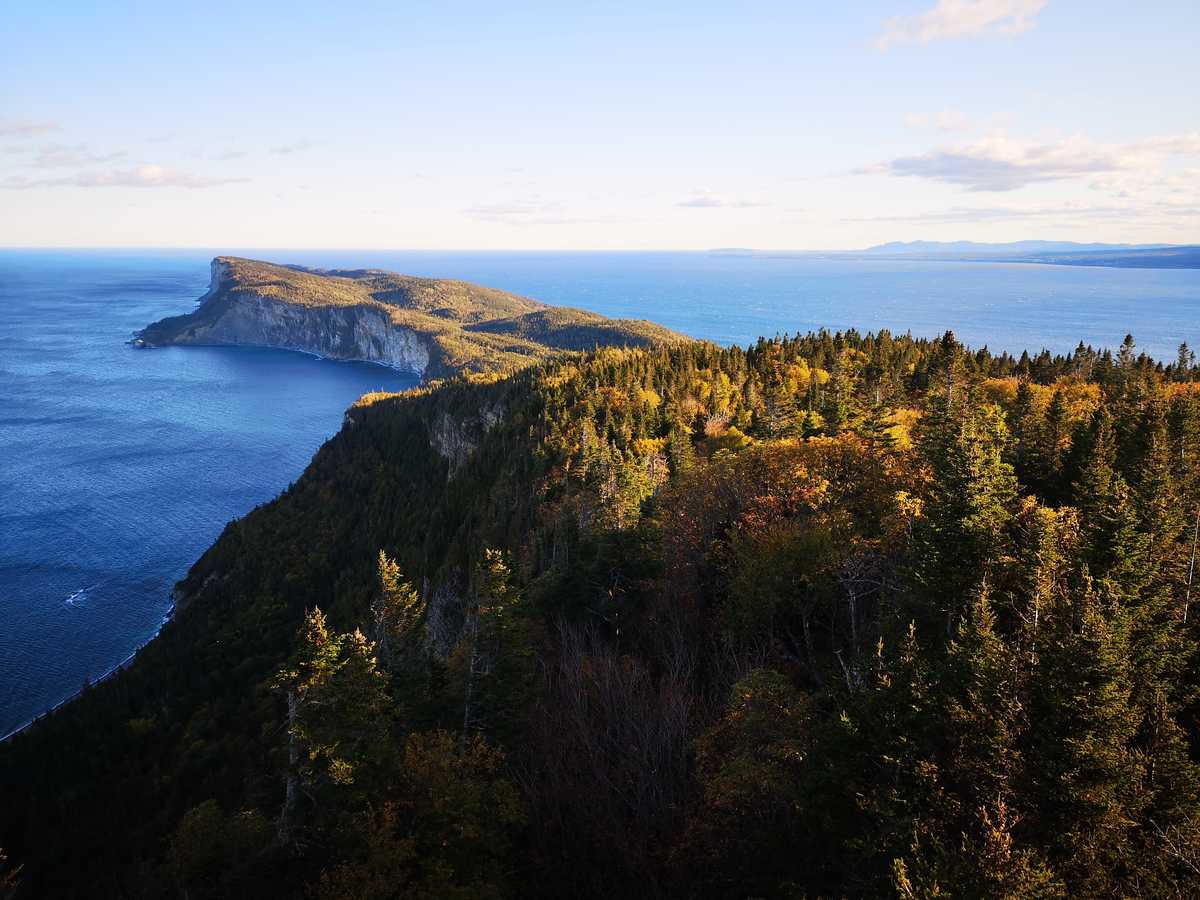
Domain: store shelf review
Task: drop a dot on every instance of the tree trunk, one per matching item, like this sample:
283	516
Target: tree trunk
472	664
1187	599
286	815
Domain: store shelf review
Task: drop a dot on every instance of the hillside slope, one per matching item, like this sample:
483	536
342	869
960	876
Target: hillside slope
430	327
838	615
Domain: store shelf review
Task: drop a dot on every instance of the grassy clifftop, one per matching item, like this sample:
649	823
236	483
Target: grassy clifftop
465	327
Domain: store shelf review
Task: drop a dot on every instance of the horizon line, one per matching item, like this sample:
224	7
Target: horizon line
715	250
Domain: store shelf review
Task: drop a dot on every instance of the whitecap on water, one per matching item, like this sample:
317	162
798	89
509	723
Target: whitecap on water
80	594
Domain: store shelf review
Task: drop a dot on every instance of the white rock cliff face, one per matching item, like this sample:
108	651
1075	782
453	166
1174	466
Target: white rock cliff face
363	333
359	333
455	438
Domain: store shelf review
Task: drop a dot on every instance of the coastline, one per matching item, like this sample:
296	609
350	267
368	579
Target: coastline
91	683
137	343
169	615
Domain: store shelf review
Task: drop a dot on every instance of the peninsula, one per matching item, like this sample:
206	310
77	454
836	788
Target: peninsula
433	328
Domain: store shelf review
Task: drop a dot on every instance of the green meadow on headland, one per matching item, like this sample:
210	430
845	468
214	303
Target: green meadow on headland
434	327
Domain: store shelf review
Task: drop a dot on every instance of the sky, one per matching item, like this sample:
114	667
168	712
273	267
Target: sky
612	126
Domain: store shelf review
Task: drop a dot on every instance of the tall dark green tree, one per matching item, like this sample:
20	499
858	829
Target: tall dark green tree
963	535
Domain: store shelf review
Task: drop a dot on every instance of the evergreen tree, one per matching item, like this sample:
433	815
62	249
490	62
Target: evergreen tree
1185	362
1115	547
748	823
681	455
780	414
1088	779
496	653
963	534
338	726
398	613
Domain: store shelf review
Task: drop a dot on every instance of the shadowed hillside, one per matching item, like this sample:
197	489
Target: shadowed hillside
832	616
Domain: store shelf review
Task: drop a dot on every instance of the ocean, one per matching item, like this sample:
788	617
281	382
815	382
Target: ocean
119	466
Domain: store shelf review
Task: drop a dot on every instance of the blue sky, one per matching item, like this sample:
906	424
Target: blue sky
564	126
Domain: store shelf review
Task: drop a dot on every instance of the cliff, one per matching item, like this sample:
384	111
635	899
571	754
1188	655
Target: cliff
430	327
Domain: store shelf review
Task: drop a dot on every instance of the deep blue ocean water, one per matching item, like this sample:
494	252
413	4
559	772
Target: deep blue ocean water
118	467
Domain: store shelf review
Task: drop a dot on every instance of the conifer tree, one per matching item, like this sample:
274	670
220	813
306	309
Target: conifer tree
397	612
1088	779
496	653
963	534
748	821
338	717
681	456
1114	545
1046	466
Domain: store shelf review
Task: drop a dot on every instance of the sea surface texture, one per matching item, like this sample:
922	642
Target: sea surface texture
118	466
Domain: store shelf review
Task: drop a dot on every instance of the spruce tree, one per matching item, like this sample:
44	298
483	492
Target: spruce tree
1085	776
963	534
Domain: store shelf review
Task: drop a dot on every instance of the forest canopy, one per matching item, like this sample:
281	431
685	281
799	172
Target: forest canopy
837	615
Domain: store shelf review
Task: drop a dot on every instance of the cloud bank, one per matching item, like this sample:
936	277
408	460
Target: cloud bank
706	199
1000	163
57	156
947	120
530	212
959	19
145	176
20	128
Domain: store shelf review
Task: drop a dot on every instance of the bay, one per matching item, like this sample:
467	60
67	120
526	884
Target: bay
119	467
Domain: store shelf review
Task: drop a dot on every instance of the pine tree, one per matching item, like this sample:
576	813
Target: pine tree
1115	547
496	653
881	758
398	612
1025	432
1046	466
780	414
1185	361
981	690
1087	780
840	407
741	838
338	717
681	455
963	534
876	427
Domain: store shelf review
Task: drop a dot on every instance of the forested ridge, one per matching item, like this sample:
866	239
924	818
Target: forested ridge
837	615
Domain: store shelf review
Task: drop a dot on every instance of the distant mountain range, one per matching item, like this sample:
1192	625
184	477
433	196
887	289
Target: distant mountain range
1060	253
1011	248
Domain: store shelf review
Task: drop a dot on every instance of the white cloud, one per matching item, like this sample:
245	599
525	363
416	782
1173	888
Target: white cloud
145	176
999	163
706	199
19	128
295	147
959	19
947	120
57	156
530	212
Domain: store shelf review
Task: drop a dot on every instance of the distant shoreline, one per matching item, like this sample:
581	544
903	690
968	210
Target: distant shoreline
1184	257
91	683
